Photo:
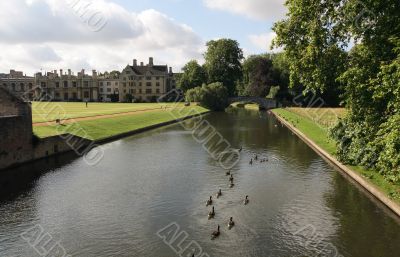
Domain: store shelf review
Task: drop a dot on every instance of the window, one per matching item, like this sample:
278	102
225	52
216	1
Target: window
134	91
101	84
148	78
86	83
116	83
157	78
158	84
101	90
57	95
65	83
22	86
57	84
157	91
43	84
134	84
109	90
148	84
140	84
108	83
148	91
140	91
86	93
74	83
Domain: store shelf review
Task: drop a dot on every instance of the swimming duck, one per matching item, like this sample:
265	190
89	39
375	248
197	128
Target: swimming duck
215	234
228	173
251	162
231	223
231	185
211	214
231	178
209	201
246	200
241	148
256	157
219	193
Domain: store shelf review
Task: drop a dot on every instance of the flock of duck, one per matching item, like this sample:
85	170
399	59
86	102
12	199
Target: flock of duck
209	202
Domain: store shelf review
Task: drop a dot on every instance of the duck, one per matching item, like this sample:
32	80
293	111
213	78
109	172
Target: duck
215	234
209	201
251	162
228	173
219	193
246	200
256	157
231	223
211	214
231	178
240	149
231	185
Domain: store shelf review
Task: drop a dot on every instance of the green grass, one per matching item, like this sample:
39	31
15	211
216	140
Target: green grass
317	130
50	111
103	128
248	106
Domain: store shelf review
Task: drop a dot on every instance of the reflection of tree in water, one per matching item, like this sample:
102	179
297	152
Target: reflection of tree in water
257	131
364	229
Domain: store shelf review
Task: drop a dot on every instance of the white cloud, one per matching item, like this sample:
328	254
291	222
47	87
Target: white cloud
270	10
264	41
53	34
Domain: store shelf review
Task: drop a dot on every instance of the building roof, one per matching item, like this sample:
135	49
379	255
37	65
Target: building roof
153	70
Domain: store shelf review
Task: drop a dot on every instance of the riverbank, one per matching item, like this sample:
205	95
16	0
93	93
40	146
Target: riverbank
100	129
317	137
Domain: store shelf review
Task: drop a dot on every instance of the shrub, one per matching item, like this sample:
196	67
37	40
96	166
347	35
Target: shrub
213	96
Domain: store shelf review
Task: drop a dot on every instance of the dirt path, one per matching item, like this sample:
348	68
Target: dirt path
97	117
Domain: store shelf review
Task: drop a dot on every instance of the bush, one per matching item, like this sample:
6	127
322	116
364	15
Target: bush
213	96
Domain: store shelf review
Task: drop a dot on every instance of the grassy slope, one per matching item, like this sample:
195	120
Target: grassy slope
319	134
50	111
103	128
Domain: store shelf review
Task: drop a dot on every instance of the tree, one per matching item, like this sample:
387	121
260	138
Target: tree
193	76
258	75
313	47
223	63
213	96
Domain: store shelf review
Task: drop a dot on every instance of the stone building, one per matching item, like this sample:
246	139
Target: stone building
109	86
145	82
62	86
18	84
15	129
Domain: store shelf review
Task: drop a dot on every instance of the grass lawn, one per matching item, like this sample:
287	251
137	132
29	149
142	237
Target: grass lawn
50	111
103	128
249	106
316	129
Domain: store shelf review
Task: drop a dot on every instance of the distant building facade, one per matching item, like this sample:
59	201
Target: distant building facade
54	86
18	84
141	83
146	83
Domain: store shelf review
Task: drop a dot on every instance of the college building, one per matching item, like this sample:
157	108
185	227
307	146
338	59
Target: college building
137	82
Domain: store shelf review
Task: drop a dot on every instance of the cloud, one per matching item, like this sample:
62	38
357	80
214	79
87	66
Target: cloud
270	10
52	34
264	41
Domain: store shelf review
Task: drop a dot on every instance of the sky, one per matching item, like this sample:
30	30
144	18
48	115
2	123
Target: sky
45	35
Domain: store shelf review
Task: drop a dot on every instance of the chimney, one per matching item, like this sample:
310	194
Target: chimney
55	72
94	73
170	70
83	72
69	72
151	61
141	64
61	72
134	62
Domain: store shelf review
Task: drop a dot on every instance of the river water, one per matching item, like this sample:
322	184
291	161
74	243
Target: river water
150	186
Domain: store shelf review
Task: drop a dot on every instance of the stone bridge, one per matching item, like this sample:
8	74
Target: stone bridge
264	103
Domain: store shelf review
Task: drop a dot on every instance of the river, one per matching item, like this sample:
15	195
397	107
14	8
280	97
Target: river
156	182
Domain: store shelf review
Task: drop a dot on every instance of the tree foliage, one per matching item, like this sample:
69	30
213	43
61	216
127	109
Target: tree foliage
193	76
223	63
315	35
213	96
258	75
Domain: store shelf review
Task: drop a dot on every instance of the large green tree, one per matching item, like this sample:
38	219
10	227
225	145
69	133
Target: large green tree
193	76
315	35
223	63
